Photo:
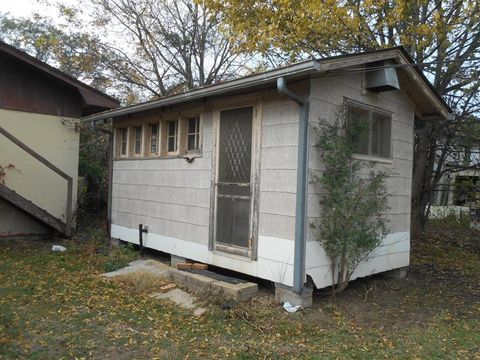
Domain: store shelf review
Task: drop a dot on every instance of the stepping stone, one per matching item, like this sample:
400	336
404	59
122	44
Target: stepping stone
182	299
155	267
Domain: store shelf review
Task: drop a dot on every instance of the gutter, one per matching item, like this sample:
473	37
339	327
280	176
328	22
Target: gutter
218	89
301	197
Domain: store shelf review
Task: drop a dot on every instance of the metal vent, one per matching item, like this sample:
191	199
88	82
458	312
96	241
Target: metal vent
382	76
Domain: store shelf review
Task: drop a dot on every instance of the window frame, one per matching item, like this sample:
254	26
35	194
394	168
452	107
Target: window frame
175	136
134	142
197	133
122	140
150	134
371	110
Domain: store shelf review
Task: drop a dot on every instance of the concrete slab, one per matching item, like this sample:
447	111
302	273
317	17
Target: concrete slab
198	283
240	292
182	299
152	266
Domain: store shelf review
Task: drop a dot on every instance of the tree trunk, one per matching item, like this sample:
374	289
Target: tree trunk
421	174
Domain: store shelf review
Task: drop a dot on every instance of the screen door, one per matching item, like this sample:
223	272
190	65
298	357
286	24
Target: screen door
233	186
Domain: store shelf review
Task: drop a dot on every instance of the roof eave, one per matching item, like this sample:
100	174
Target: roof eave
103	99
289	72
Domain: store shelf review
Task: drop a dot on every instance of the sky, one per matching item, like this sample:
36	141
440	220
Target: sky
25	8
22	7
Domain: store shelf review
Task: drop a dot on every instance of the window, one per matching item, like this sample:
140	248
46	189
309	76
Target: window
370	131
172	132
137	150
123	141
193	134
154	138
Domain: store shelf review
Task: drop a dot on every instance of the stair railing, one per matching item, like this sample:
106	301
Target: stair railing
68	215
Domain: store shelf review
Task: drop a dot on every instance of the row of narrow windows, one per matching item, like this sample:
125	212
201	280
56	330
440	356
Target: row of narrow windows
163	138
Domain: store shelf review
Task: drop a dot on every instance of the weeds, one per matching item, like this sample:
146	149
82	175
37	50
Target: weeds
119	257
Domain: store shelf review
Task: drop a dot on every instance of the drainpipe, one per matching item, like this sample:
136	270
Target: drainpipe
301	199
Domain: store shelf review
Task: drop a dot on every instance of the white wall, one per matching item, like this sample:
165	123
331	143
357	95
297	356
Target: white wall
327	96
172	197
56	139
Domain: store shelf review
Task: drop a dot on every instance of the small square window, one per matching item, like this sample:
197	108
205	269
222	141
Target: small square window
172	134
372	134
154	138
138	140
193	134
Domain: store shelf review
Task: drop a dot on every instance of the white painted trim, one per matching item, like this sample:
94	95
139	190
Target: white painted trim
275	256
271	267
393	253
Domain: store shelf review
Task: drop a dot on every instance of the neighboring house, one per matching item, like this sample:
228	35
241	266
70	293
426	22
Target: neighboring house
40	109
220	174
459	184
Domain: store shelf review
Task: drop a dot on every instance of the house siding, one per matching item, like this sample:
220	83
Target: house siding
172	197
56	139
327	96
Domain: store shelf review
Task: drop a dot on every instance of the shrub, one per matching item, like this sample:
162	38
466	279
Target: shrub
353	199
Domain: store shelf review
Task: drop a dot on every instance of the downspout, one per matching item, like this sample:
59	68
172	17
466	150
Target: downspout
301	198
110	183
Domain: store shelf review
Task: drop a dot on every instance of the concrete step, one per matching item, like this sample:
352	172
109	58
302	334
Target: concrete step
197	283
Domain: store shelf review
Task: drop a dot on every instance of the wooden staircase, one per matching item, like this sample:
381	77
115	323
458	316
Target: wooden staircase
29	207
33	210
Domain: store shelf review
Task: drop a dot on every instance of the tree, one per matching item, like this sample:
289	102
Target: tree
442	35
353	221
136	49
165	46
74	53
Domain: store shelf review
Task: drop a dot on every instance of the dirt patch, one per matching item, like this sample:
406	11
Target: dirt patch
443	280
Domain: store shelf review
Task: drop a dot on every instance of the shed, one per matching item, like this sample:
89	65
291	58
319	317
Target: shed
220	174
40	108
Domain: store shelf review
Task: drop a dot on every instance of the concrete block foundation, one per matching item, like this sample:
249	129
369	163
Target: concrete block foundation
285	294
400	273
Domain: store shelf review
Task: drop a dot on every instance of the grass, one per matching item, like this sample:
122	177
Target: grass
54	305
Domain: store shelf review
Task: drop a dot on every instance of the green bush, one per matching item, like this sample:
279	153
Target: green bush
353	200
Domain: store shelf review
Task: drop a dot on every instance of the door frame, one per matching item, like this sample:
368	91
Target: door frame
254	101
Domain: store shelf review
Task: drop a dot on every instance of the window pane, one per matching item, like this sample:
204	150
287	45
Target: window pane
124	134
138	139
358	128
171	144
192	125
172	136
381	134
235	145
191	142
154	138
172	128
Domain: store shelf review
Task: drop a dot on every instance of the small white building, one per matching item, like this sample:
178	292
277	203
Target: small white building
220	174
